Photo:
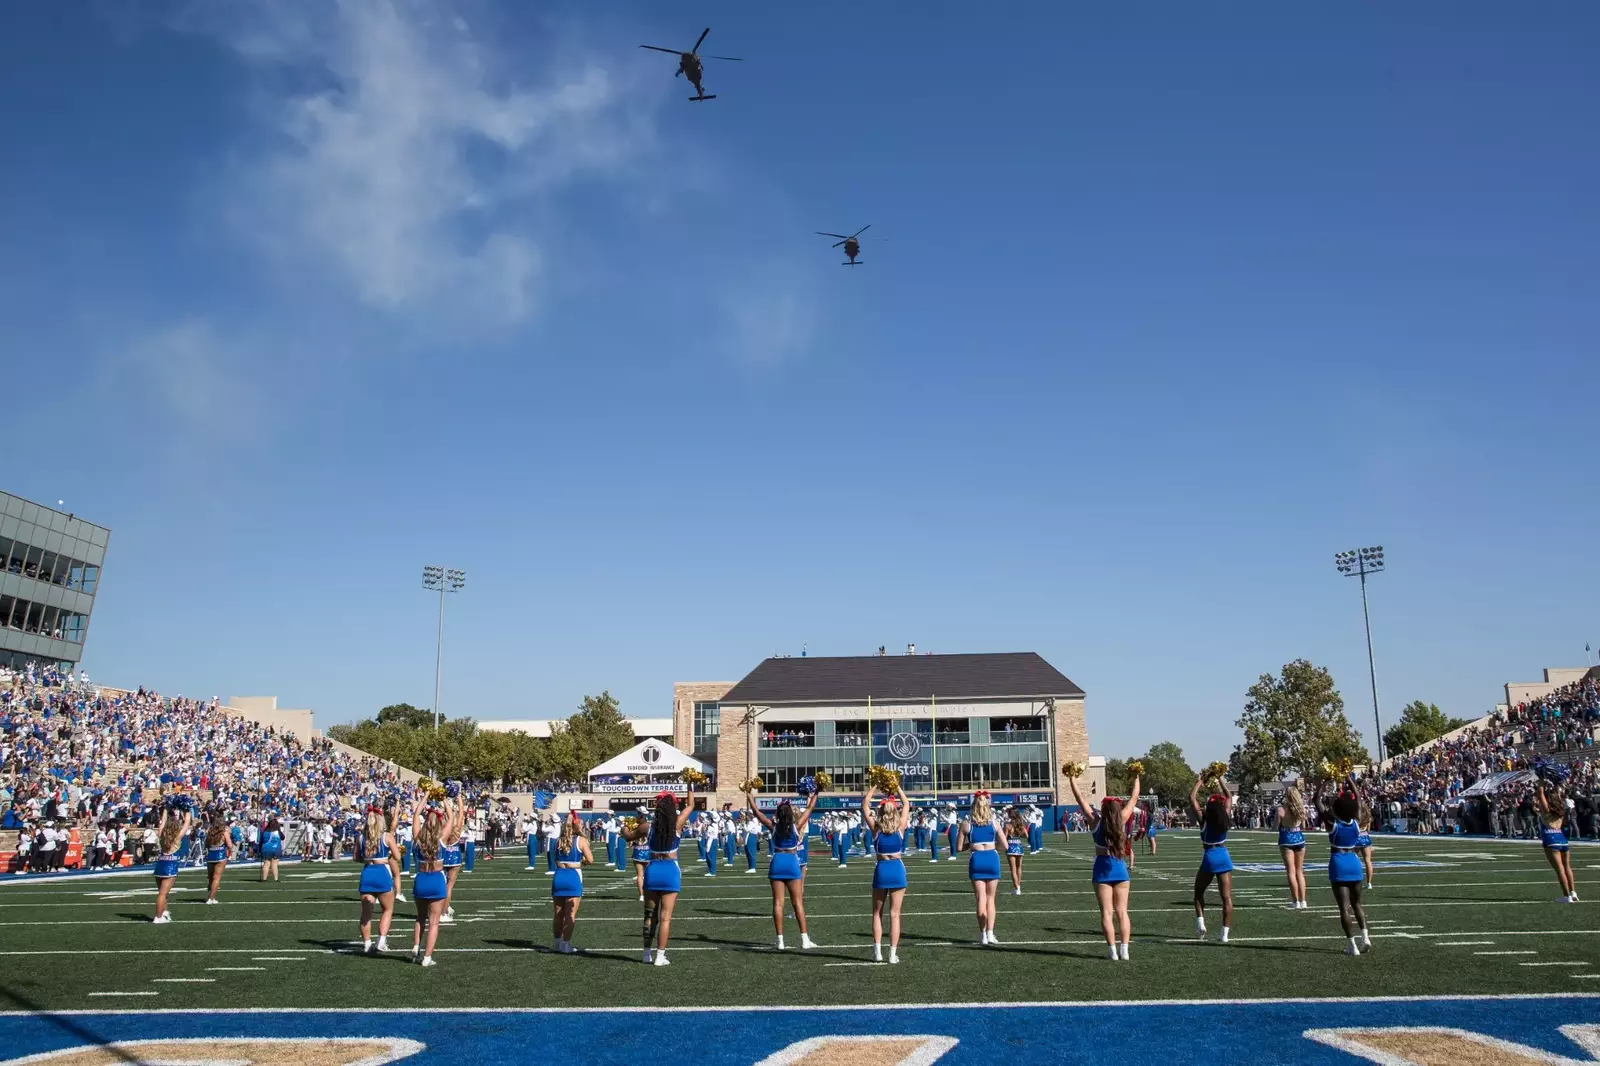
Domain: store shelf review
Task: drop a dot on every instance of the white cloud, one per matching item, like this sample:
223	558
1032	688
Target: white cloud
407	161
192	370
770	316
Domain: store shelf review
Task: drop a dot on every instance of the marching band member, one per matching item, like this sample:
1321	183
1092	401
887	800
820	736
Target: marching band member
750	841
174	824
566	890
430	887
1292	845
1016	832
375	848
218	852
1552	810
1111	850
980	836
663	880
1035	823
784	870
1344	867
932	816
708	841
889	869
1215	863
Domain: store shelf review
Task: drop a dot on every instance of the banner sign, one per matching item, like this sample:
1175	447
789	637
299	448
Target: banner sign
904	752
677	788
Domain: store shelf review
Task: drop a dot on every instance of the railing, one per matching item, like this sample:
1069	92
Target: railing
1017	736
797	740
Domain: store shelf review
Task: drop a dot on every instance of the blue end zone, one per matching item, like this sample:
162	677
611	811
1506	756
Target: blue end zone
1126	1034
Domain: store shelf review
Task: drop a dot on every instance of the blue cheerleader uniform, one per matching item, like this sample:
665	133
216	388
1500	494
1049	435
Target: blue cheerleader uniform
982	865
450	855
1293	839
1344	865
641	852
663	874
166	867
376	877
1554	839
217	854
1013	846
889	872
271	844
429	886
785	862
1215	859
1109	869
568	881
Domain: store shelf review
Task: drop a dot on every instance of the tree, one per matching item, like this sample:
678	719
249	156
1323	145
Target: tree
598	731
1419	723
407	715
1292	723
1167	773
1118	781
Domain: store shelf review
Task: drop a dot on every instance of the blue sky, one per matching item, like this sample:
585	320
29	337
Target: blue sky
1172	303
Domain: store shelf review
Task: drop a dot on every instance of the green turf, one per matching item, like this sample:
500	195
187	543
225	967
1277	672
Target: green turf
61	942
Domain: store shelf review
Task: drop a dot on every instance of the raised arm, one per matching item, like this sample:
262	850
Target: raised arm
804	816
688	808
1194	798
866	809
1133	804
1083	808
750	801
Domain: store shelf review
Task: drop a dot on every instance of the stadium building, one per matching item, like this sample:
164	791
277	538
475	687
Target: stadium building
948	723
49	570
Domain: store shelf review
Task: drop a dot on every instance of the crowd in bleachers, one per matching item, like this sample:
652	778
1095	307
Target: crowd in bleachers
75	757
1421	790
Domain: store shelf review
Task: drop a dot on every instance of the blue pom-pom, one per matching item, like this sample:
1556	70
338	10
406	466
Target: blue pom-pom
452	789
806	785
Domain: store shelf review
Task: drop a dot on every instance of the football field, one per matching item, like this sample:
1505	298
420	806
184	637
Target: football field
1449	917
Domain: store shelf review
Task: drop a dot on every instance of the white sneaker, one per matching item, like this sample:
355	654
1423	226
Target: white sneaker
1111	950
447	919
1224	937
400	897
780	943
366	948
428	961
416	953
530	867
877	953
894	956
806	943
752	870
449	912
1124	951
1563	899
1352	948
641	899
210	902
1200	928
161	919
1366	941
383	943
661	959
933	860
992	938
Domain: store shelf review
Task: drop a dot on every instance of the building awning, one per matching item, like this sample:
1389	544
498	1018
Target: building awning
650	757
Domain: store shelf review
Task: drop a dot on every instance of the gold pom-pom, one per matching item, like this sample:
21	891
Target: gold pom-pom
633	824
1073	769
1343	769
824	781
883	779
1135	768
1216	771
694	778
752	784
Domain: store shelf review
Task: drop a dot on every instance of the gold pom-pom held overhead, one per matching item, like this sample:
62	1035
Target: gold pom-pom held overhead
1073	769
752	784
883	779
694	778
824	781
1216	772
1135	768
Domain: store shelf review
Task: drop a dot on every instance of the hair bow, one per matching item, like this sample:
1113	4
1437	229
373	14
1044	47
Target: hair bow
665	795
981	792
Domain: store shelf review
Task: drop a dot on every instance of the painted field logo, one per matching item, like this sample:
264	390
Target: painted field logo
211	1051
862	1051
1437	1046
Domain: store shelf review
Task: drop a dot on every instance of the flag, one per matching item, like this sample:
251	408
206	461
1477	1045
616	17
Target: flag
541	798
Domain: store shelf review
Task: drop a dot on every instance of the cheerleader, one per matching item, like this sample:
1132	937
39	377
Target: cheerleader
451	851
430	886
1150	834
1215	862
1292	845
1364	841
980	836
663	880
566	889
640	842
174	825
401	836
1344	868
375	848
1552	810
271	848
1016	833
889	870
1111	850
218	852
785	872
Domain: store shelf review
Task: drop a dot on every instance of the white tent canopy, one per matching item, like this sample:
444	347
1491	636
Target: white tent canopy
650	757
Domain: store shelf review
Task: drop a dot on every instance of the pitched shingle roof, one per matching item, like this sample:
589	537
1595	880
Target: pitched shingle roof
845	679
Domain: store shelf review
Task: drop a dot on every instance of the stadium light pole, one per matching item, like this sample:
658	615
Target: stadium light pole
440	579
1360	563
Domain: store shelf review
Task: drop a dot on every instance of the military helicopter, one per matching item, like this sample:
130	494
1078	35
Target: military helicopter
689	63
852	246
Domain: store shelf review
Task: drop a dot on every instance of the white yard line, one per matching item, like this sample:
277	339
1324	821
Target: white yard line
233	969
183	980
124	993
1552	964
1505	953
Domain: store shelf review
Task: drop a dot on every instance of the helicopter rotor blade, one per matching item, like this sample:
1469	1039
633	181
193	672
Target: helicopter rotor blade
841	236
727	59
862	230
658	48
701	41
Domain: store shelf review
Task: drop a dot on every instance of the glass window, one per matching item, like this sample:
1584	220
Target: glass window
707	724
47	624
30	562
47	566
91	577
75	575
788	734
8	604
74	626
17	551
850	734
